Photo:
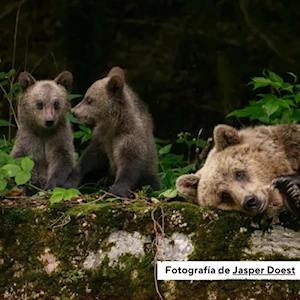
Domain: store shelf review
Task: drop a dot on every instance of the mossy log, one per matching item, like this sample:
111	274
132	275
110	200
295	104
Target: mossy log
106	251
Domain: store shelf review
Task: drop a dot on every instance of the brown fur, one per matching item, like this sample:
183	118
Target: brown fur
44	131
122	144
243	164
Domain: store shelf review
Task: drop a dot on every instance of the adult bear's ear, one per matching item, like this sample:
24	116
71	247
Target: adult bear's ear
65	79
187	185
26	80
225	136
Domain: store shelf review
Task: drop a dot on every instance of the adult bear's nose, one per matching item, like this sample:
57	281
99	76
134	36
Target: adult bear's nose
251	203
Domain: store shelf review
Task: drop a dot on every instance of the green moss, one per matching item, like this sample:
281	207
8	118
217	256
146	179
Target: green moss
71	234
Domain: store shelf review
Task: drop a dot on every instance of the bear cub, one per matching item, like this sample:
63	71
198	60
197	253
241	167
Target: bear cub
44	131
245	166
122	145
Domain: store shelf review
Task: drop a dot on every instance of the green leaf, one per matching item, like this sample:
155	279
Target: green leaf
85	138
271	108
274	77
85	129
11	169
170	193
297	97
4	123
293	75
72	119
260	82
27	164
74	96
5	82
22	177
78	134
3	185
56	197
11	73
2	75
164	150
59	190
70	193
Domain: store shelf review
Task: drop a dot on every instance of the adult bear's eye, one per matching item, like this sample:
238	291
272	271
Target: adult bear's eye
239	175
225	197
39	105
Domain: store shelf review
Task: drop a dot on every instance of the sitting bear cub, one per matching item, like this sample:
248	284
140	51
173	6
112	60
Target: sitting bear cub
240	169
122	145
44	131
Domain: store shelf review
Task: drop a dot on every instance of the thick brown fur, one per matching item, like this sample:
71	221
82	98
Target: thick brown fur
122	144
239	170
44	131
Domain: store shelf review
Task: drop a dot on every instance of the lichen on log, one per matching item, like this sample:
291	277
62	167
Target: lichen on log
107	251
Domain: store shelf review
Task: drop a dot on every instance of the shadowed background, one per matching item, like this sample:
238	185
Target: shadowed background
189	60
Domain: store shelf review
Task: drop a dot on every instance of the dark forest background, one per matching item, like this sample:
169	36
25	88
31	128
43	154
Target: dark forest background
189	60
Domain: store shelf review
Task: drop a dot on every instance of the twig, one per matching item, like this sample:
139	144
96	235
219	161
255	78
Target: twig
204	153
158	242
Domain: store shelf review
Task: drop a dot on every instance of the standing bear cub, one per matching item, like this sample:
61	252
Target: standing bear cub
122	144
44	131
240	169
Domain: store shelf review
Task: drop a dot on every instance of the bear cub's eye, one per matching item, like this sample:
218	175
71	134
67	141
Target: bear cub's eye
89	100
56	105
240	175
225	197
39	105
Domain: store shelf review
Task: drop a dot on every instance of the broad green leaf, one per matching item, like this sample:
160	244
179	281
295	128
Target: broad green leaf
274	77
85	138
11	169
59	190
11	73
5	159
56	197
27	164
5	82
2	75
22	177
85	129
297	97
260	82
271	108
170	193
78	134
3	185
164	150
70	193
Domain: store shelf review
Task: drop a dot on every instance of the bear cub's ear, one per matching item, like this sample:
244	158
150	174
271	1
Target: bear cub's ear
225	136
26	80
65	79
116	81
187	186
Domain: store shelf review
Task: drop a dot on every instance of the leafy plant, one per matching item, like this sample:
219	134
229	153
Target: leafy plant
10	91
171	165
59	194
14	172
85	133
280	105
